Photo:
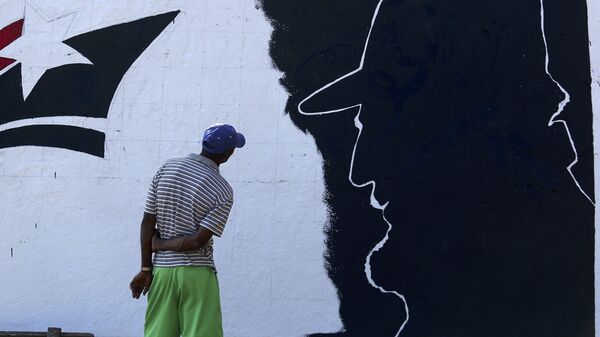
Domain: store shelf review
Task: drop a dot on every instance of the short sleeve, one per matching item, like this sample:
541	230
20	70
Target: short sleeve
217	217
152	191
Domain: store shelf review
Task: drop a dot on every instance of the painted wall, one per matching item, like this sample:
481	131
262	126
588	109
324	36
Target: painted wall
412	168
459	143
594	32
71	213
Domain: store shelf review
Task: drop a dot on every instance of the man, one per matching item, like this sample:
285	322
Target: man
188	202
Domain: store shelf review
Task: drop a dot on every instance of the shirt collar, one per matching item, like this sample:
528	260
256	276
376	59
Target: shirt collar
204	160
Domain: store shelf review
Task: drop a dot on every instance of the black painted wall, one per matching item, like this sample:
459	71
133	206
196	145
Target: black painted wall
491	235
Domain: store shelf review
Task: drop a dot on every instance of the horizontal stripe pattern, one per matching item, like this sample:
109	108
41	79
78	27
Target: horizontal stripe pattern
186	194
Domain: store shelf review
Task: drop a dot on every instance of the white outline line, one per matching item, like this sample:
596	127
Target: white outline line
374	203
561	107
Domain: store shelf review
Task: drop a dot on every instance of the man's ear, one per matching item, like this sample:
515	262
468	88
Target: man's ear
227	154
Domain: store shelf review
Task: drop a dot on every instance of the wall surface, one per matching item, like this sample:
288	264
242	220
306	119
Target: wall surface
458	143
412	168
594	31
71	210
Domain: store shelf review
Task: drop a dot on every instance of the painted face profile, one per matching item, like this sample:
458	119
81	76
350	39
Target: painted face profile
400	74
454	108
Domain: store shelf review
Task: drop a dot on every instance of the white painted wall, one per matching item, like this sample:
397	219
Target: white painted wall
74	237
594	32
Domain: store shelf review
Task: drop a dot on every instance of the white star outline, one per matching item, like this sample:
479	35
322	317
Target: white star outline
41	46
374	202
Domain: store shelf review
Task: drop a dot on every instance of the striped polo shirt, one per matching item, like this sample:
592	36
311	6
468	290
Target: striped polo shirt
186	194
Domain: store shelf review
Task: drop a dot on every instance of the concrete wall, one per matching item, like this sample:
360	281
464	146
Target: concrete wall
594	31
468	126
73	202
70	220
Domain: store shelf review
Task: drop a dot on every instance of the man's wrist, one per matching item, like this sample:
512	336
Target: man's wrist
146	269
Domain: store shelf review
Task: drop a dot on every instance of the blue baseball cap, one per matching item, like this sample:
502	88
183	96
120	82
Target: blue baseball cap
220	138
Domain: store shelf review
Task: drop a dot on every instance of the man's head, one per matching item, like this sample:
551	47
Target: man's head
219	142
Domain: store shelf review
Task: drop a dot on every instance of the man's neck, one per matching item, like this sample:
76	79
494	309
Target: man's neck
215	158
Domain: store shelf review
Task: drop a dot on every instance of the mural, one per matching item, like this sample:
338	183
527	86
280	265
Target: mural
443	165
89	68
95	96
457	141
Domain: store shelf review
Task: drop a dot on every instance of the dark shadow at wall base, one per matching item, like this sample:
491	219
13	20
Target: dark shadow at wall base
334	334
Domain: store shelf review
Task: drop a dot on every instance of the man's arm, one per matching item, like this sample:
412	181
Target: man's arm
142	281
147	230
184	243
212	224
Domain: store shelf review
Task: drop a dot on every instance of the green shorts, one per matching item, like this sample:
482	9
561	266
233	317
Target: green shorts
183	301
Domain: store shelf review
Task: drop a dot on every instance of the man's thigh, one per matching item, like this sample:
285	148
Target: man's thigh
162	315
200	304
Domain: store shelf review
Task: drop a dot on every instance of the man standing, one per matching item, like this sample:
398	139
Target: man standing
188	202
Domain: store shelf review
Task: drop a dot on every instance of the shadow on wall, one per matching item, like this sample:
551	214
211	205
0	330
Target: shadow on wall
489	235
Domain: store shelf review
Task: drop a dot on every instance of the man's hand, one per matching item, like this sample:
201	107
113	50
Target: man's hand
140	284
